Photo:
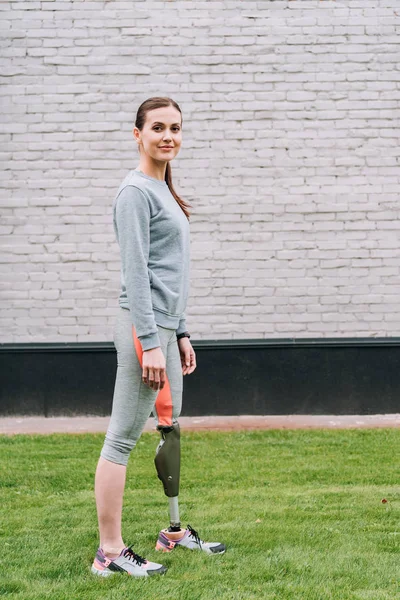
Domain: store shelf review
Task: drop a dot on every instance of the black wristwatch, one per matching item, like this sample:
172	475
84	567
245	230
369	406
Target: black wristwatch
182	335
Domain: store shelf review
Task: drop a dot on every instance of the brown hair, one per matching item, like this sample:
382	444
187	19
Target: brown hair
150	104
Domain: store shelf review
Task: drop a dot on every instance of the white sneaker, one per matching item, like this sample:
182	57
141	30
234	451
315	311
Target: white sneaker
127	562
188	538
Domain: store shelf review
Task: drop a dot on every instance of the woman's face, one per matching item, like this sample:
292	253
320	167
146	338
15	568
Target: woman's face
162	128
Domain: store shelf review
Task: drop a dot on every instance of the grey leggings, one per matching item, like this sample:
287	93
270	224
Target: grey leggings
133	400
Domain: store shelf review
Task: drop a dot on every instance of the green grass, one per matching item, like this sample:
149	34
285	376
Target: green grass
300	512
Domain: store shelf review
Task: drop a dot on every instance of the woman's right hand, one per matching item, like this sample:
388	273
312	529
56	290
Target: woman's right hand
154	368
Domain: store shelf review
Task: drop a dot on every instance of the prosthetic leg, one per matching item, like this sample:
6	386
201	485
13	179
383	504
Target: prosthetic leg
168	464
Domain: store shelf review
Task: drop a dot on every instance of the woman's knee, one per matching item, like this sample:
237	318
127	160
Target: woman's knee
117	449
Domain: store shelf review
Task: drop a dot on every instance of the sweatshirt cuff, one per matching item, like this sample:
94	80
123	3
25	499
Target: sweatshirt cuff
181	326
150	341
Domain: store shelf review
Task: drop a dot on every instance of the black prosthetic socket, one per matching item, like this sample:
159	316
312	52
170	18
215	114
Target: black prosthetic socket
167	459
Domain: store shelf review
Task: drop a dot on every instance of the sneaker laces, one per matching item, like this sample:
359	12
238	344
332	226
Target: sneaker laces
194	534
131	555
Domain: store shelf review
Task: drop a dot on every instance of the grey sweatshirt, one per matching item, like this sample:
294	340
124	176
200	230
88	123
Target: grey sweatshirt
154	239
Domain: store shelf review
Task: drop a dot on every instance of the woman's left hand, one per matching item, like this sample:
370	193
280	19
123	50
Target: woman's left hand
188	357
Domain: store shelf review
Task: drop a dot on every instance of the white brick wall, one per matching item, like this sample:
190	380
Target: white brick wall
290	159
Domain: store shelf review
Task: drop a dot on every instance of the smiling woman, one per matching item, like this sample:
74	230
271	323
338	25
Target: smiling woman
158	133
151	224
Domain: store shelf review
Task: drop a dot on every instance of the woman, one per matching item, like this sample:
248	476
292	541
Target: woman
151	223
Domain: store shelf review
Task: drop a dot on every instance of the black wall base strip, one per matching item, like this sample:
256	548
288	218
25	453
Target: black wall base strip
252	377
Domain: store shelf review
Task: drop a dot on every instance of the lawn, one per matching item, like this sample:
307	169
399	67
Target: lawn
300	511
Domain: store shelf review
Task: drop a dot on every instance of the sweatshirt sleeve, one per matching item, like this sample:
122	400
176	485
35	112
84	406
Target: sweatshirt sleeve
133	224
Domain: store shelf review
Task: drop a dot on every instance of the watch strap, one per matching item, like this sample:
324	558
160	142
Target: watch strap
182	335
